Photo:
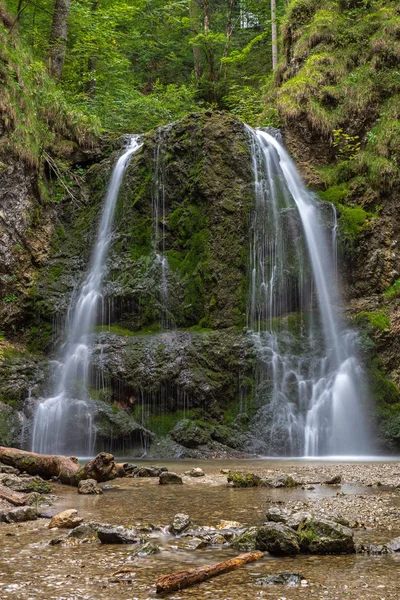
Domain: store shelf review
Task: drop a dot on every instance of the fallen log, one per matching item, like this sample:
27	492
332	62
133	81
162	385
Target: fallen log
15	499
101	468
183	579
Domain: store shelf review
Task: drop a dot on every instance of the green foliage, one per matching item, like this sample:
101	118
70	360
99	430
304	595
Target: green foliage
379	319
394	290
347	145
352	221
134	66
339	75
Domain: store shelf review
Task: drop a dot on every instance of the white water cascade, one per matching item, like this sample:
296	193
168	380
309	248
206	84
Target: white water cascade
309	389
159	221
63	424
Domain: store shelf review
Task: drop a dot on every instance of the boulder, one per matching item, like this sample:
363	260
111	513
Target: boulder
89	486
193	543
147	549
189	434
278	515
150	471
243	480
281	482
277	539
83	534
68	519
336	480
17	515
321	536
195	472
129	468
246	541
168	478
297	519
180	523
25	483
115	534
283	578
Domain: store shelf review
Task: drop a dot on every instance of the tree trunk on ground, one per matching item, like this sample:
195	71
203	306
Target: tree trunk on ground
274	36
58	36
184	579
101	468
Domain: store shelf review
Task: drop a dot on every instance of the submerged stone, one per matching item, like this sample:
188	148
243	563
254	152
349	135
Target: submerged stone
147	549
283	578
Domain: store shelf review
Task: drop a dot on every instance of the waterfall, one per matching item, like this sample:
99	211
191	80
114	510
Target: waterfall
310	390
159	221
63	423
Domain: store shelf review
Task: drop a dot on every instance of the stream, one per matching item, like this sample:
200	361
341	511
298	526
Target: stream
30	568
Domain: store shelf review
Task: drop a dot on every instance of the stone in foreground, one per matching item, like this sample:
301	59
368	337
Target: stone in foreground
246	541
321	536
116	534
18	515
277	539
89	486
180	523
195	472
68	519
170	478
283	578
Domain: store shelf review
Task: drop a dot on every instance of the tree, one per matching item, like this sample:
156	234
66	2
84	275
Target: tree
58	37
274	36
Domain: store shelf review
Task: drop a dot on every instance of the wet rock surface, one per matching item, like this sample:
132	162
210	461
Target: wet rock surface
277	539
89	486
18	515
170	479
284	578
110	534
67	519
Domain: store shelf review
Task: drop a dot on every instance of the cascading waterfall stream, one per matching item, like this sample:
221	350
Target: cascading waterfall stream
159	219
64	423
309	383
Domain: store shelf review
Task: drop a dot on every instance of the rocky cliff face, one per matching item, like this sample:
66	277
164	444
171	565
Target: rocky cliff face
173	368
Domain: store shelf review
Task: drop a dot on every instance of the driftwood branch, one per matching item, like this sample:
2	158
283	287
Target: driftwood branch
101	468
184	579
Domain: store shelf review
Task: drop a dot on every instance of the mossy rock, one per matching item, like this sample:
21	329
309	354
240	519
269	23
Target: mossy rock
189	434
243	480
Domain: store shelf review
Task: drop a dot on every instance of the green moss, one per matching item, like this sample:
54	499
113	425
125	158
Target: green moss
378	319
394	290
352	221
243	480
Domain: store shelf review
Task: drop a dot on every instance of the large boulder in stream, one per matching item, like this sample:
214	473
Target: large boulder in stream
277	539
321	536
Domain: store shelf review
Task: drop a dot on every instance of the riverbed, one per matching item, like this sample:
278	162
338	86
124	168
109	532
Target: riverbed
30	568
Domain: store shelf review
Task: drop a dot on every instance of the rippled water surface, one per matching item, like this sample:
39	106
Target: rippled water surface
31	569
